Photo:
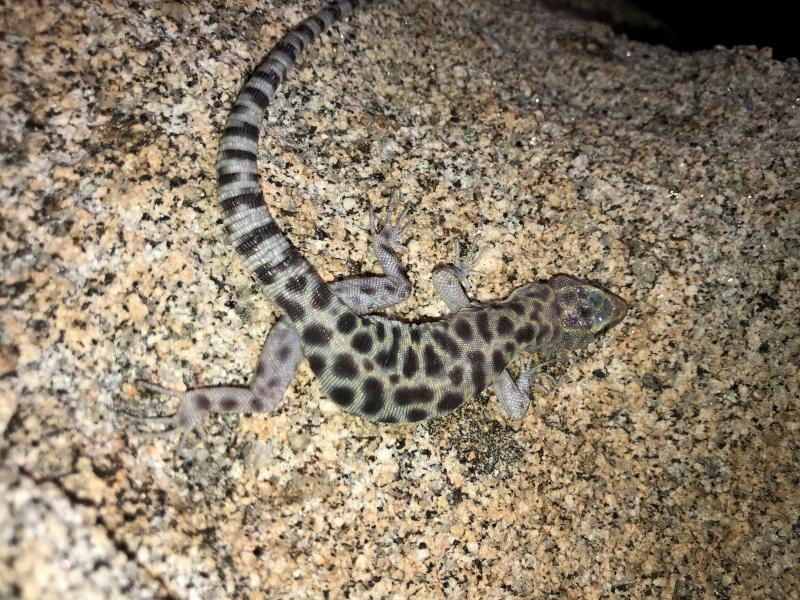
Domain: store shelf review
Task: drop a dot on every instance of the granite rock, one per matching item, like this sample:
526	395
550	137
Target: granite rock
662	463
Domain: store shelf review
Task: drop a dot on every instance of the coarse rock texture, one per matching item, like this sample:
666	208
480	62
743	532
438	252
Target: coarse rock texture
662	462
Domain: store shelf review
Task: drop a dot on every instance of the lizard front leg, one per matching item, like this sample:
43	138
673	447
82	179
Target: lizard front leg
449	282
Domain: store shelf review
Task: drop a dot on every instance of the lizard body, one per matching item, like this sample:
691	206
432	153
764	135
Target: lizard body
374	367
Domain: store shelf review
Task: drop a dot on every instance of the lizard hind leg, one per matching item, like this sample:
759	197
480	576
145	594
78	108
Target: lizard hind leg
514	396
196	403
276	367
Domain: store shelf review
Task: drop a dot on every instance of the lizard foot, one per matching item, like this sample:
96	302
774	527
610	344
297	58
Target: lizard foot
463	268
392	229
188	417
530	373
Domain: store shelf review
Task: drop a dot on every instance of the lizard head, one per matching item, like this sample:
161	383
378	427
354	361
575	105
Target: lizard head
566	313
583	310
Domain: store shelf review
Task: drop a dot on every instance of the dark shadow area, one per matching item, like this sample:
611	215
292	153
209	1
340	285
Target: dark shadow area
697	25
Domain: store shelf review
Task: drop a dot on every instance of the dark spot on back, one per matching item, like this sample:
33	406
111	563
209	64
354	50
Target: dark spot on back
463	330
368	365
345	367
373	395
536	312
476	357
362	342
367	290
294	311
317	364
404	396
410	363
202	402
478	371
380	331
229	403
316	335
417	415
256	404
504	326
540	293
387	359
342	395
433	364
482	321
510	347
394	378
456	375
416	334
479	378
516	307
321	297
498	361
524	334
346	322
446	342
544	330
296	284
450	401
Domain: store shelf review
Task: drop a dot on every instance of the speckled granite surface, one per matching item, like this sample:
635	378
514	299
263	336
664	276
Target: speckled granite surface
664	463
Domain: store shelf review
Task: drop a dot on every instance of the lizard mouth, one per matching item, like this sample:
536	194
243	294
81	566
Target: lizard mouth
618	309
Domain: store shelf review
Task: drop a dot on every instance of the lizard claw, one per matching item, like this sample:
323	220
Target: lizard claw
182	420
391	230
462	269
531	372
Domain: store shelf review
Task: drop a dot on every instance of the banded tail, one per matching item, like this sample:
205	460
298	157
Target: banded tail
262	244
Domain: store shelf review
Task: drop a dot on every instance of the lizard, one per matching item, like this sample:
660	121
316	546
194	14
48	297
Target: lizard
384	370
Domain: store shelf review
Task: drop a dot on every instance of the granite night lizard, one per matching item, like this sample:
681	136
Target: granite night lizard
371	366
